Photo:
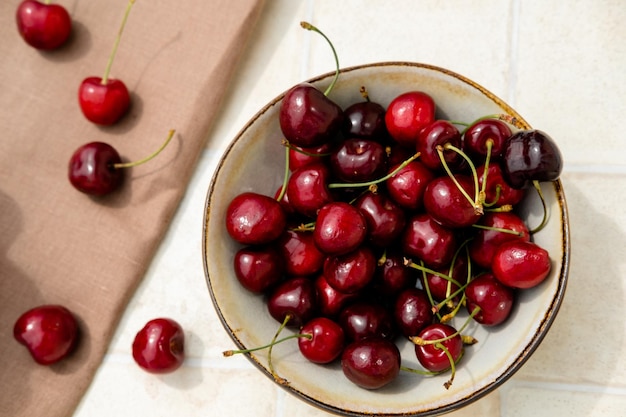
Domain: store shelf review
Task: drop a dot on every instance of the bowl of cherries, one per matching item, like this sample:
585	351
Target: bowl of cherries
387	239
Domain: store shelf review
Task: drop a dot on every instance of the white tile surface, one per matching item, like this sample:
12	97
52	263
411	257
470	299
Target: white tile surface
560	64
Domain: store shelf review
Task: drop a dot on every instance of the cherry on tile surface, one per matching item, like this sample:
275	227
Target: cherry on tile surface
43	26
159	347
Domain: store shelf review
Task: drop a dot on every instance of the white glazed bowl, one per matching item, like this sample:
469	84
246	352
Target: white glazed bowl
254	161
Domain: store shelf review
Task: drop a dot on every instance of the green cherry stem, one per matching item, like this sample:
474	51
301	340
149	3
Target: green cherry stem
105	78
377	181
283	189
448	383
544	219
476	201
421	342
309	26
147	158
498	229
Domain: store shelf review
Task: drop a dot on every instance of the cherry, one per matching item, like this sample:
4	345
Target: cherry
307	116
307	189
530	155
299	156
340	228
258	268
371	363
105	100
438	134
255	219
331	302
159	347
520	264
300	254
367	320
385	219
494	299
407	187
392	275
326	341
448	205
365	120
43	26
49	332
350	272
498	192
446	281
407	115
495	229
479	133
358	160
429	241
96	168
293	301
440	340
412	311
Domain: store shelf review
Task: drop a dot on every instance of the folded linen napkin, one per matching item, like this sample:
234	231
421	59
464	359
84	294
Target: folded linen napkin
59	246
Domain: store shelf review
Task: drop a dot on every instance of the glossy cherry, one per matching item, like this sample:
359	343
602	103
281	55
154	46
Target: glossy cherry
366	120
432	356
439	134
254	219
326	340
412	311
296	297
385	219
497	191
49	332
159	347
300	254
258	268
407	115
104	100
530	155
392	275
350	272
406	188
307	189
440	286
299	156
520	264
358	160
340	228
425	239
331	302
43	25
494	299
367	320
495	229
445	202
479	133
371	363
92	169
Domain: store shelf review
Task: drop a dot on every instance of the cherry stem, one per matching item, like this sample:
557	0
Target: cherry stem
477	201
420	371
302	151
498	229
105	78
448	383
364	93
283	189
309	26
228	353
421	342
482	194
496	197
147	158
377	181
544	219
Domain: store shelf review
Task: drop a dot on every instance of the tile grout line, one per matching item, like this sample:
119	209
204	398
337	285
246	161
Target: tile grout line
567	387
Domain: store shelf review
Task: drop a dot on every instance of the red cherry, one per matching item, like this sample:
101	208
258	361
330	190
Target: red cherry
159	346
487	240
371	363
392	276
92	169
445	202
412	311
435	135
441	288
49	332
326	342
330	301
433	357
367	320
385	219
358	160
258	267
478	134
406	188
295	298
494	299
350	272
340	228
299	156
407	115
497	191
105	100
429	241
42	25
307	189
520	264
300	254
255	219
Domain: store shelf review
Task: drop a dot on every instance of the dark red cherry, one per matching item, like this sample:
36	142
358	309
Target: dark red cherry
43	25
358	160
433	357
406	188
520	264
530	155
440	287
367	320
258	267
497	191
494	299
352	271
366	120
159	347
371	364
487	240
296	298
340	228
299	157
330	301
385	219
425	239
445	202
92	169
326	343
49	332
435	135
412	311
476	137
300	253
407	115
307	189
255	219
308	118
392	275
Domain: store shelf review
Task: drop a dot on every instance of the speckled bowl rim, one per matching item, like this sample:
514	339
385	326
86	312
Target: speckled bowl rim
530	348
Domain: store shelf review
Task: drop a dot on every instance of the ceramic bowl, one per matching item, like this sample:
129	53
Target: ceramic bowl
254	161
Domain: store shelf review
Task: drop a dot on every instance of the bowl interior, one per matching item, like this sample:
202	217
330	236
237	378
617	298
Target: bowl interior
254	161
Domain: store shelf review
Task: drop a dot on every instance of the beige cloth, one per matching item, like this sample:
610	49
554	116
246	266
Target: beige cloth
58	245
